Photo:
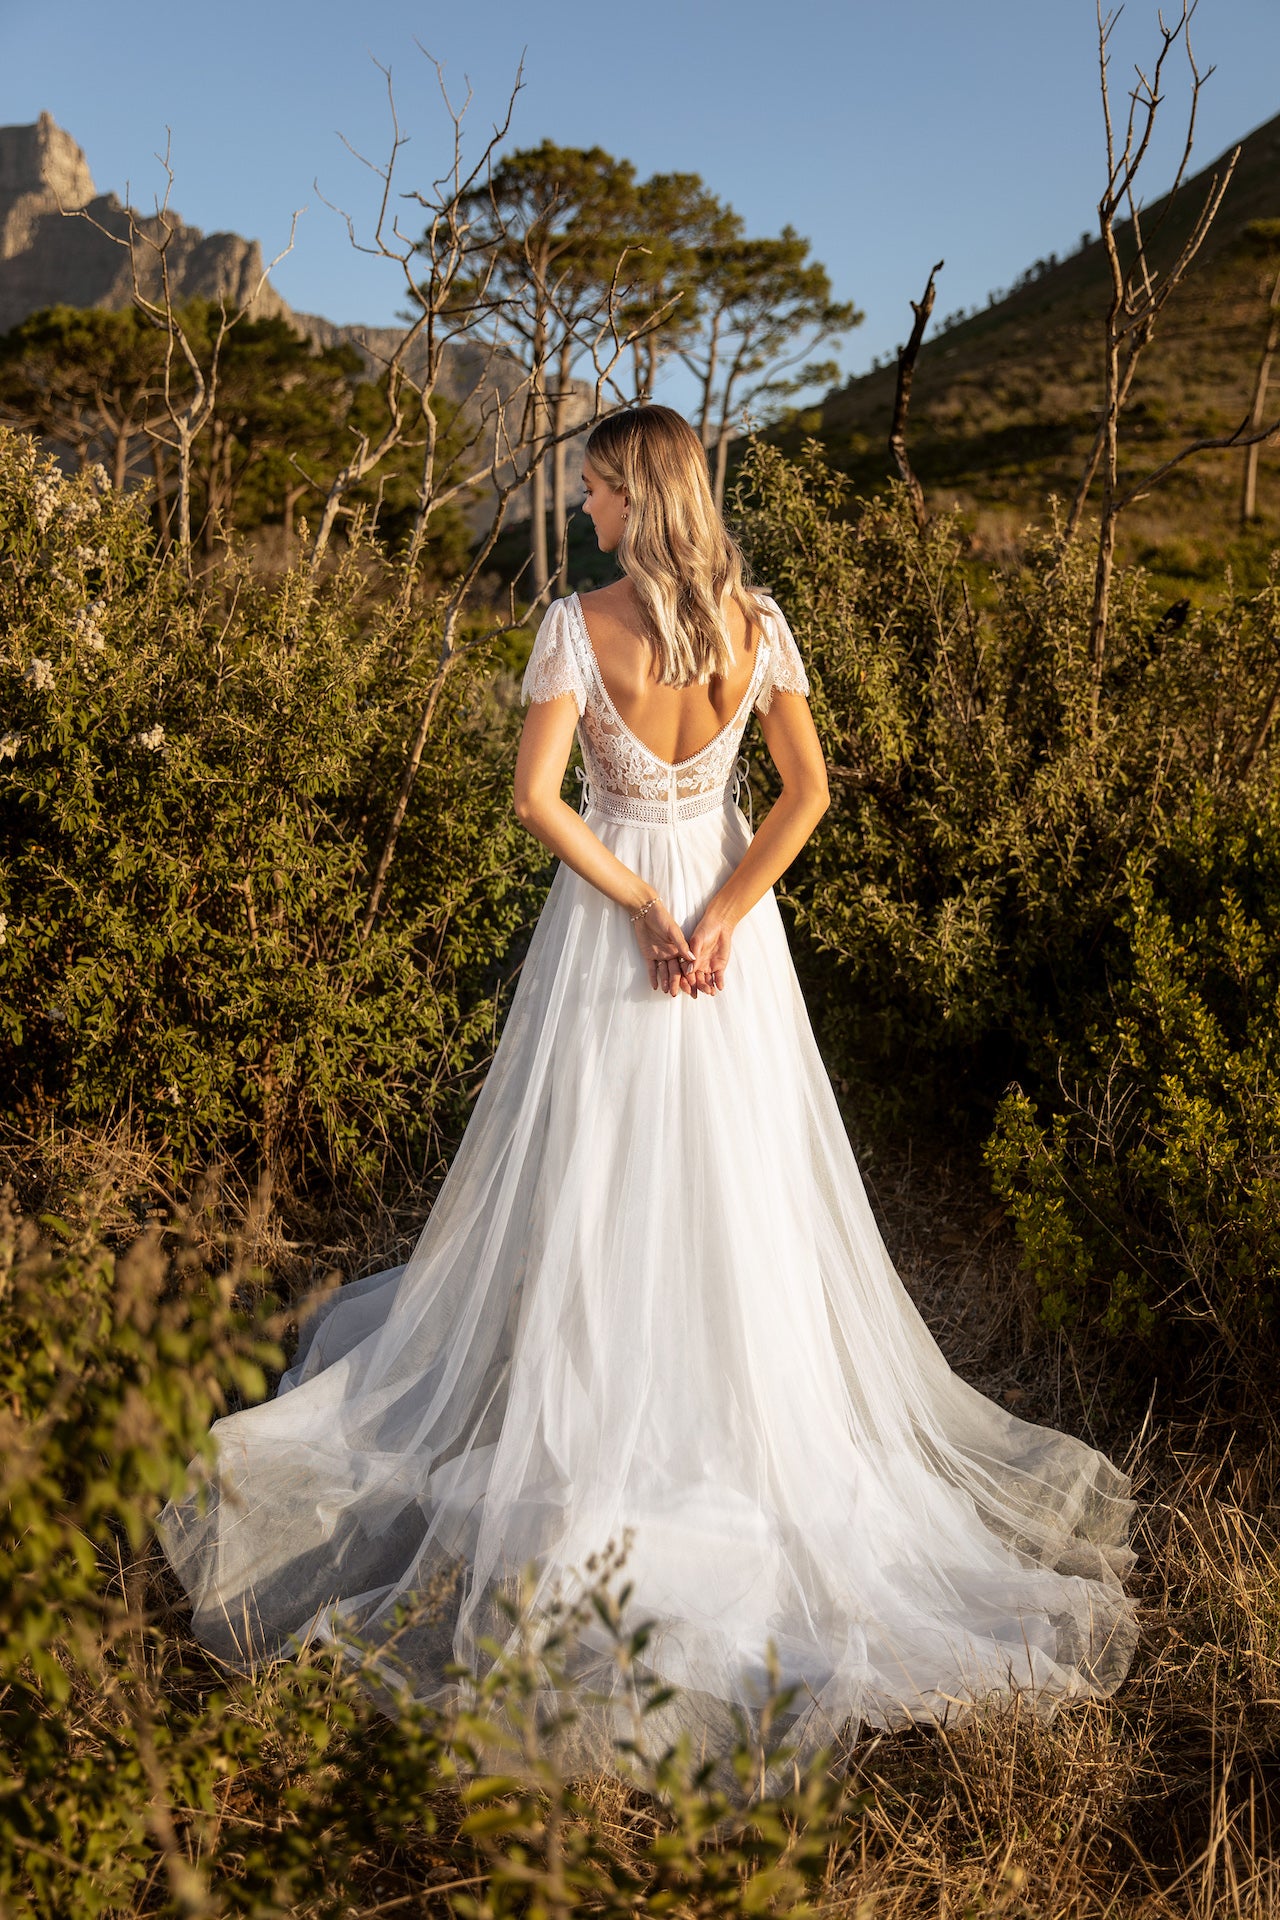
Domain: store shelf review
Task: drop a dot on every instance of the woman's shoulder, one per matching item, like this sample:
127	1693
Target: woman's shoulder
611	601
555	665
763	600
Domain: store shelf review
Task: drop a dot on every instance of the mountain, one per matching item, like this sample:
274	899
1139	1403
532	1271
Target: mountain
1003	405
48	257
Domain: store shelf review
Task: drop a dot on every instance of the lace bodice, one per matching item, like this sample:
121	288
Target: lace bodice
624	779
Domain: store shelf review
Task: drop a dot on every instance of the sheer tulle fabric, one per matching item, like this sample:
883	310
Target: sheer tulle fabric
652	1299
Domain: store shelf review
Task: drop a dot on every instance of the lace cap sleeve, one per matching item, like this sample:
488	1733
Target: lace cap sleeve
554	667
785	670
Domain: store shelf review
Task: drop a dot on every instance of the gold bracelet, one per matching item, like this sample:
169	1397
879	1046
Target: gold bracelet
644	909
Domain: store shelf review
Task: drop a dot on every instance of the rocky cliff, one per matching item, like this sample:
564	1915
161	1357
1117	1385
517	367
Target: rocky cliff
60	246
51	256
59	238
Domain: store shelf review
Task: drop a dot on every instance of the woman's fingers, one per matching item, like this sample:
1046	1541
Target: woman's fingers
679	967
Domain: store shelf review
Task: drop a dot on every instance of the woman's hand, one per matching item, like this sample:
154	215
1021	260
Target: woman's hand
712	938
665	950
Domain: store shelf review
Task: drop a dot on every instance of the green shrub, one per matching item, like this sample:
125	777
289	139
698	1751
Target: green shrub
128	1759
1146	1195
194	783
1002	894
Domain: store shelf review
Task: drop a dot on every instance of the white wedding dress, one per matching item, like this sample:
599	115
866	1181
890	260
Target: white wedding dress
651	1300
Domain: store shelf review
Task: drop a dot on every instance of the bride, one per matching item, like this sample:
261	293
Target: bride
651	1301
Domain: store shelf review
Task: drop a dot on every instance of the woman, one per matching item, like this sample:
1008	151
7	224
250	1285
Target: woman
651	1301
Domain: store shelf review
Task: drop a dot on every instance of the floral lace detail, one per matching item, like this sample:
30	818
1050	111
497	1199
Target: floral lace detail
554	667
787	674
623	778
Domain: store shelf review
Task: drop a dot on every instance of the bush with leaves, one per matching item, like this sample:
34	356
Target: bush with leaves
1145	1193
194	781
127	1756
1002	891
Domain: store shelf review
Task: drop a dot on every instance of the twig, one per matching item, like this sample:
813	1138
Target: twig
907	358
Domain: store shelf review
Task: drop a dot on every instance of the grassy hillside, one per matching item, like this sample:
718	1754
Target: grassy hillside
1003	408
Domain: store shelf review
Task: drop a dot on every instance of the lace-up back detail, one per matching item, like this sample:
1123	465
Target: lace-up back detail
625	780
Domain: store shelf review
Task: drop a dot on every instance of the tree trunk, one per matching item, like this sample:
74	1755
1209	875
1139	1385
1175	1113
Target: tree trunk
1107	528
120	457
560	471
647	362
538	523
538	467
1257	413
163	533
708	383
184	490
722	465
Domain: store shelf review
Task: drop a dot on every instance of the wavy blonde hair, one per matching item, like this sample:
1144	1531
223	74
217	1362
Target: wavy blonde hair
683	562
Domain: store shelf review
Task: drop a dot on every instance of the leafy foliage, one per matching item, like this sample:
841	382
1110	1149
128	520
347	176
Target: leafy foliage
192	780
123	1753
1001	892
93	383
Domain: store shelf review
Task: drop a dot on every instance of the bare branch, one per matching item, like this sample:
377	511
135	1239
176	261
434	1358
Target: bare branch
1244	436
190	415
910	353
1257	409
1139	293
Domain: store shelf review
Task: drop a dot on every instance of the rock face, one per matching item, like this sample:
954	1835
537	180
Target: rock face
51	256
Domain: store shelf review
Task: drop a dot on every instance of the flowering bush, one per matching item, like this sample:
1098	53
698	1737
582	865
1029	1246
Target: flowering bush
194	781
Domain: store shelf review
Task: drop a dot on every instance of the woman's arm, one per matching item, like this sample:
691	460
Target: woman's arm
540	765
796	752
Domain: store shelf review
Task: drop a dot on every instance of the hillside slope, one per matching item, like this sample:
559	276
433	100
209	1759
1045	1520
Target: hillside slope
1003	409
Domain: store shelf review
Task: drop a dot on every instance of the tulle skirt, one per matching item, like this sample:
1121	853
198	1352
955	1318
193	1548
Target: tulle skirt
651	1302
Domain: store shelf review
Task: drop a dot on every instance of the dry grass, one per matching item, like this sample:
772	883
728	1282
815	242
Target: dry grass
1164	1801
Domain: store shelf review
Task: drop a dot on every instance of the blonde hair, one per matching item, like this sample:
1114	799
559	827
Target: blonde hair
675	549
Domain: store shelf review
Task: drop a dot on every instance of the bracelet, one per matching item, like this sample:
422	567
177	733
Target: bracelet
644	909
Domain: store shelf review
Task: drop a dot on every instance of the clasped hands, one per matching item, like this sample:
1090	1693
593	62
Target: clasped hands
677	965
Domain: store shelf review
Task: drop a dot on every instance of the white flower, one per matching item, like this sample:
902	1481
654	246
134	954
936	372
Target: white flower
172	1094
100	477
152	738
40	674
91	556
4	928
86	627
9	745
44	496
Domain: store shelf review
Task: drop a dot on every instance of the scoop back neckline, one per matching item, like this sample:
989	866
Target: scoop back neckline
672	766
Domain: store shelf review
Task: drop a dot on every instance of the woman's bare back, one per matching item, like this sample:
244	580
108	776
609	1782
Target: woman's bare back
673	722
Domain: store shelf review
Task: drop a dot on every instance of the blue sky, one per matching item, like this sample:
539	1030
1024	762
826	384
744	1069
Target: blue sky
891	134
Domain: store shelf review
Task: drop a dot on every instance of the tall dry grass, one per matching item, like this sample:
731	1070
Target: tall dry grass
289	1794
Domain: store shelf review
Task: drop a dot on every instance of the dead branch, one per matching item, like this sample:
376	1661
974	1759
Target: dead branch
188	415
1139	293
907	358
1258	407
1244	436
